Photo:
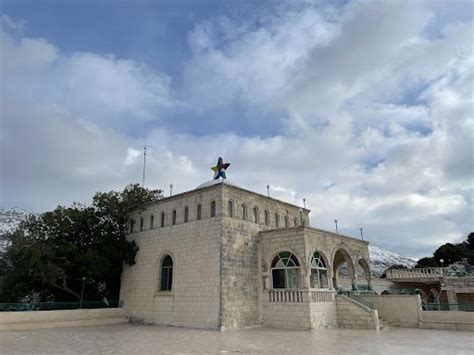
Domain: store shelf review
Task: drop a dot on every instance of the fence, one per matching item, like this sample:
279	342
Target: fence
50	306
465	307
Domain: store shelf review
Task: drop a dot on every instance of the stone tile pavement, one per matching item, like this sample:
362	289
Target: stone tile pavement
149	339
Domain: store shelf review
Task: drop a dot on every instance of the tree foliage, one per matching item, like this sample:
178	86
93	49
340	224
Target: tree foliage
50	254
451	253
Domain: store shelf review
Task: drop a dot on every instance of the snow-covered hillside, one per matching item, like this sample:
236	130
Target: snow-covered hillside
381	259
9	219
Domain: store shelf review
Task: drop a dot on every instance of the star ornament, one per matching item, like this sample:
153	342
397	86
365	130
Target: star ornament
219	169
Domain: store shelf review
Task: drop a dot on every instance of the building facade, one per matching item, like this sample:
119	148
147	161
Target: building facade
221	256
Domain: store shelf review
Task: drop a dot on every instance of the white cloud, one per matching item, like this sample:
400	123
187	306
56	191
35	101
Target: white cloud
132	156
378	128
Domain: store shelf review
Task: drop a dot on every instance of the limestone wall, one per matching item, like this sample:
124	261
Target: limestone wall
301	316
194	300
56	319
353	315
447	320
400	310
380	285
240	274
323	315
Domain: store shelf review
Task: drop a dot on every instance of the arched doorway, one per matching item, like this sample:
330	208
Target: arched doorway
343	270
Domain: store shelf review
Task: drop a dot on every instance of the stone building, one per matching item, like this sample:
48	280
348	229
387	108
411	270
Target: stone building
221	256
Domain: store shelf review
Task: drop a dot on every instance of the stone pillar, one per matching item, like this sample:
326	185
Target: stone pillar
306	275
369	283
266	281
330	281
354	282
452	299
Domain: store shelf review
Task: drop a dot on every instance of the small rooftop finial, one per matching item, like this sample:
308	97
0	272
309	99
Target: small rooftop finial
220	168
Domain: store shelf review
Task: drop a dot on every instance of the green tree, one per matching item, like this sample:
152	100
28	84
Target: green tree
427	262
450	253
51	253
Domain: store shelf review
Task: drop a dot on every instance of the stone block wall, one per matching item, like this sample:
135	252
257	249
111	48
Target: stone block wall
323	315
194	300
287	315
447	320
400	310
60	318
300	315
240	273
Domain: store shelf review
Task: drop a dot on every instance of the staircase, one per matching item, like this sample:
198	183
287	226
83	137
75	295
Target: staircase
353	314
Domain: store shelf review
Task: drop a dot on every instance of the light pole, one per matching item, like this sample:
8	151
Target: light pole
361	234
268	190
442	265
335	222
82	291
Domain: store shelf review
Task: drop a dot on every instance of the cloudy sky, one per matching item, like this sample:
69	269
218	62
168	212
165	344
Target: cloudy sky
364	108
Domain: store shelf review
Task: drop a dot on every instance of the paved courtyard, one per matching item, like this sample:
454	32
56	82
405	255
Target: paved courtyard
148	339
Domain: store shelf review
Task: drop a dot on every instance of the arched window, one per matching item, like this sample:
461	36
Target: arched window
287	221
230	207
198	212
319	272
267	218
296	221
255	214
141	224
162	222
132	225
213	208
152	221
285	271
174	217
244	212
166	273
186	214
277	220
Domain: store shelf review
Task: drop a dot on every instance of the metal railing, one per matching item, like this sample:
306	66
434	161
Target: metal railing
50	306
292	296
465	307
355	295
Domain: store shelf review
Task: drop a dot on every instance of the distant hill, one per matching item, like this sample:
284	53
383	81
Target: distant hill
381	259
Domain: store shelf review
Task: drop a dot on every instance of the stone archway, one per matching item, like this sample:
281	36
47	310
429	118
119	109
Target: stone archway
343	269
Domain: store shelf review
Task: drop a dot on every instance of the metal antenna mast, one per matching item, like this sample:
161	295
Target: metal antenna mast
144	165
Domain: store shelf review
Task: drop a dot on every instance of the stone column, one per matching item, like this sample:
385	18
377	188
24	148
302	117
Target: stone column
369	283
306	275
354	282
330	281
452	299
266	281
